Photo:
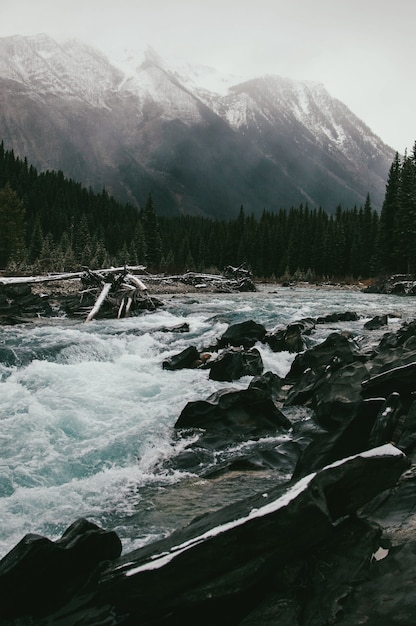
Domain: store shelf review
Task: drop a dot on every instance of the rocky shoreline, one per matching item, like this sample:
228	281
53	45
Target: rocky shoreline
333	544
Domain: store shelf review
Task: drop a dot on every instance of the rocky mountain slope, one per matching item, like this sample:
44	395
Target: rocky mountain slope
266	143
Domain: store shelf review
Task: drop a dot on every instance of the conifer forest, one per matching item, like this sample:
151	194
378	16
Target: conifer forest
51	223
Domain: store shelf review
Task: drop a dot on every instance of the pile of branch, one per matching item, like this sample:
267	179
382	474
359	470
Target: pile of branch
117	293
232	279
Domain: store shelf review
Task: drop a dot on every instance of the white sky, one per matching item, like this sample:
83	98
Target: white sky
363	51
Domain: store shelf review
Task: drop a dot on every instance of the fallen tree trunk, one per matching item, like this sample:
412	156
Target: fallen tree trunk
104	293
26	280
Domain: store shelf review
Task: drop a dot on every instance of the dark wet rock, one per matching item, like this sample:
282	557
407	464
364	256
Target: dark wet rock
248	411
336	351
231	417
18	304
244	334
388	588
207	462
331	318
290	338
378	321
233	363
405	435
337	395
188	358
179	328
351	437
400	379
289	552
399	284
268	385
313	589
387	420
39	574
399	338
315	366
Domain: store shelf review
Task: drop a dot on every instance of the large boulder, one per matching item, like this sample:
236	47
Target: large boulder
231	417
378	321
233	363
400	379
247	412
289	338
337	350
351	437
328	572
244	334
188	358
39	574
314	367
337	395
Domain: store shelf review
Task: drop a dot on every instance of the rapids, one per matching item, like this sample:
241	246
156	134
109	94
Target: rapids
87	412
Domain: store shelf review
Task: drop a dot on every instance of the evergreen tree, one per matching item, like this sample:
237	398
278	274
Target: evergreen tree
138	244
405	230
36	241
12	227
386	243
368	237
151	233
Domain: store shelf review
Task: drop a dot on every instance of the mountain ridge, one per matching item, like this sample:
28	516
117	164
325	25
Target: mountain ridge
265	143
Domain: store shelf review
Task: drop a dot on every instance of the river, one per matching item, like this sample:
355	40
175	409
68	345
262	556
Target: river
87	412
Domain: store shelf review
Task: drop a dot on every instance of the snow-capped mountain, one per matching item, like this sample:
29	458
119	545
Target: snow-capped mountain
200	141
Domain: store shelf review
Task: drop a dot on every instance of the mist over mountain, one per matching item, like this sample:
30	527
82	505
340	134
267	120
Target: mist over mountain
200	143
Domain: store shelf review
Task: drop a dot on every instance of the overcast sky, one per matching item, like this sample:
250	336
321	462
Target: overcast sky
363	51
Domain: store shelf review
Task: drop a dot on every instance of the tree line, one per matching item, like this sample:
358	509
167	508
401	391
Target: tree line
52	223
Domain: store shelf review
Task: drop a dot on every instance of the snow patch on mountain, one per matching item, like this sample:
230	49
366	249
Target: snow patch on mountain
72	69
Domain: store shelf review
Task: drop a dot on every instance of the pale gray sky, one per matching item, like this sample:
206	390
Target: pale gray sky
363	51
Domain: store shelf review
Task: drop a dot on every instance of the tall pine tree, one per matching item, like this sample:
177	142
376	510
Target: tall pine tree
386	244
12	227
151	234
405	230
